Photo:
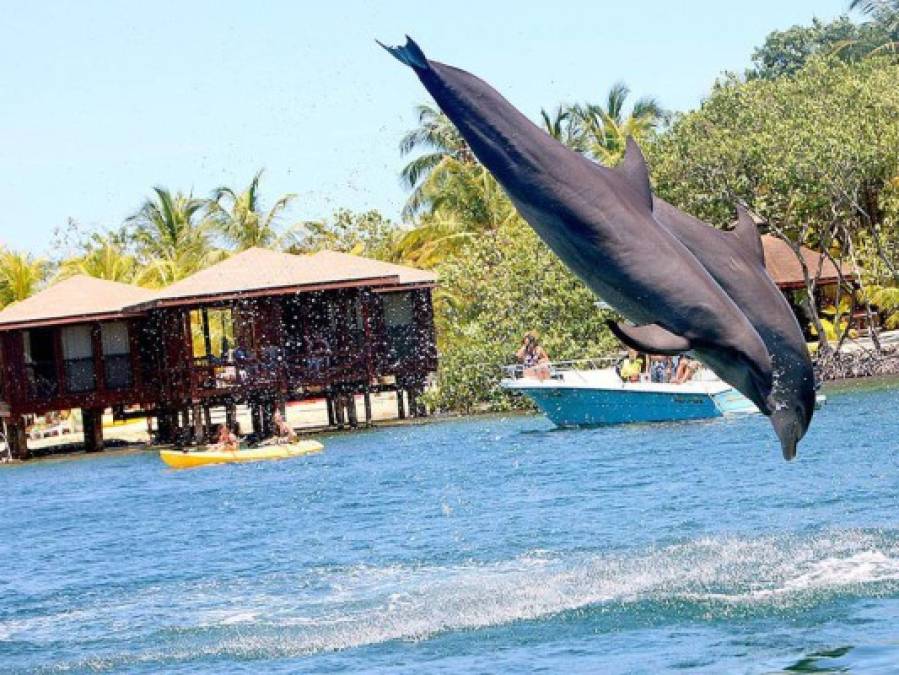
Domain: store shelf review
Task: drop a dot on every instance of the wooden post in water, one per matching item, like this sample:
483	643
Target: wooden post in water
367	401
400	404
329	406
164	426
352	415
266	415
207	422
413	402
92	422
17	438
339	410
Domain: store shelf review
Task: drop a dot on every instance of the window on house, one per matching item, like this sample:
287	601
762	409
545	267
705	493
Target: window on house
78	358
116	354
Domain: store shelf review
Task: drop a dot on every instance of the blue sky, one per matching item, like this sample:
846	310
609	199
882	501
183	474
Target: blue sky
99	101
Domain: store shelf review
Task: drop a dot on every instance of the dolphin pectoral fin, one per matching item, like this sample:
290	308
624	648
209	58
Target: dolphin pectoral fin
409	54
651	338
747	233
633	169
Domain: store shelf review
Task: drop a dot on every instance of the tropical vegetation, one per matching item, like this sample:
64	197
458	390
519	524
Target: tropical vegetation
806	138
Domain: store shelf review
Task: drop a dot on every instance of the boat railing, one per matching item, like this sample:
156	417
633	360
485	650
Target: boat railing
558	370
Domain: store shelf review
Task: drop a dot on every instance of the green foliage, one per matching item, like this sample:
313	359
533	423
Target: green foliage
785	52
172	237
493	291
105	258
240	219
886	299
21	275
599	130
367	234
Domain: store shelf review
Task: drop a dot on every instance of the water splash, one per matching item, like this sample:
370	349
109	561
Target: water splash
344	608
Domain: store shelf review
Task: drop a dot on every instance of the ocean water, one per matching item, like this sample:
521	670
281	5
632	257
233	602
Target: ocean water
492	544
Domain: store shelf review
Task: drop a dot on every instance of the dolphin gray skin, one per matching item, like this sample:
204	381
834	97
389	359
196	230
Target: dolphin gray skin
603	229
736	260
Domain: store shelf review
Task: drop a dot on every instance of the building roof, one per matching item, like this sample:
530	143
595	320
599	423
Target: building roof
783	265
259	271
72	300
407	275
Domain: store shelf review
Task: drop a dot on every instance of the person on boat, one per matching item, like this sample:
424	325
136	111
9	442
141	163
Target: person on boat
630	367
533	357
659	368
282	428
227	440
686	369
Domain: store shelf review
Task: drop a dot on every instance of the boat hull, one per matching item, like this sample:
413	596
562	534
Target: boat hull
589	407
178	459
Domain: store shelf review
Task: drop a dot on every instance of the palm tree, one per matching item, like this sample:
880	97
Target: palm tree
239	216
21	275
885	16
172	237
563	126
442	150
603	129
104	259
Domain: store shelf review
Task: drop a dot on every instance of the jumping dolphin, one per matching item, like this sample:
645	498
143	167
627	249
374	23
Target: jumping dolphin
603	229
736	260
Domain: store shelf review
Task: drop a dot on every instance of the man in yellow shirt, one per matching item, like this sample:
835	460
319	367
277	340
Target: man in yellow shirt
631	367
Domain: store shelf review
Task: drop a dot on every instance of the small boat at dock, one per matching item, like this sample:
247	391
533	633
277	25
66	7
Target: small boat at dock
182	459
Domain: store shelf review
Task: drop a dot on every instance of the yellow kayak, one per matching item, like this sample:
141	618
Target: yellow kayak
179	459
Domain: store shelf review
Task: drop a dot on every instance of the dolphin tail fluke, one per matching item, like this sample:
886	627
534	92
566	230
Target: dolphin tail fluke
409	54
650	338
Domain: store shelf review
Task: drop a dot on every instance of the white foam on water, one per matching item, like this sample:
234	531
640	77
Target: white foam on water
366	605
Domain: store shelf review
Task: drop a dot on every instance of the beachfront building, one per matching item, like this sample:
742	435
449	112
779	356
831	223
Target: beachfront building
78	344
786	271
258	329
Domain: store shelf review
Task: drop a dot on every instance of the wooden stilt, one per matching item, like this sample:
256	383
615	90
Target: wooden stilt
329	404
266	415
199	431
352	414
165	425
339	410
413	402
92	421
207	422
400	404
231	415
366	399
17	439
256	419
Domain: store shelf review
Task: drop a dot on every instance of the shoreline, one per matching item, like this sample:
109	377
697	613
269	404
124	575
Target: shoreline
74	451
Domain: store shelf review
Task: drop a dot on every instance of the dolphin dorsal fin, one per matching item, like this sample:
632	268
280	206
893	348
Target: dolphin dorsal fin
634	171
651	338
747	233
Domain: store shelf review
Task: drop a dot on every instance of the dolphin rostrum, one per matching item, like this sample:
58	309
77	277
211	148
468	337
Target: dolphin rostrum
603	230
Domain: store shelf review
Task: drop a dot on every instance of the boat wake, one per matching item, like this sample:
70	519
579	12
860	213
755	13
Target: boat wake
329	609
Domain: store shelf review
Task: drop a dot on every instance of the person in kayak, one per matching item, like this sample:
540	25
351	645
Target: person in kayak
227	440
282	428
